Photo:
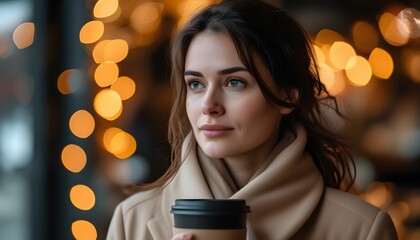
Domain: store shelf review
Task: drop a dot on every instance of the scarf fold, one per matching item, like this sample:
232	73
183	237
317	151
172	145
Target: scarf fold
282	193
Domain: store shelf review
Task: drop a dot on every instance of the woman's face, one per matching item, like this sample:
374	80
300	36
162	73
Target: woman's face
228	113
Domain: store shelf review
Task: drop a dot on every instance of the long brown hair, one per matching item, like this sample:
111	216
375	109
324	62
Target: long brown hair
258	27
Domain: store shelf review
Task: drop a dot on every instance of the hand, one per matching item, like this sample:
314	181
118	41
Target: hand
182	236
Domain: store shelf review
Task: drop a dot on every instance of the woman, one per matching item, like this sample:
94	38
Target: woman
247	123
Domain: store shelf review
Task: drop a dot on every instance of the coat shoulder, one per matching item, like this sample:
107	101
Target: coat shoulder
144	200
131	216
348	204
341	215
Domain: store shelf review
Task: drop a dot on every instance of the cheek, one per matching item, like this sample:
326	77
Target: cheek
256	110
192	109
258	119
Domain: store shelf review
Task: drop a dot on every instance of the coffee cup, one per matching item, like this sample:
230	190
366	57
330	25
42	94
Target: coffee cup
211	219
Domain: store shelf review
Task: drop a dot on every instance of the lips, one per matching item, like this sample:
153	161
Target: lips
214	127
214	130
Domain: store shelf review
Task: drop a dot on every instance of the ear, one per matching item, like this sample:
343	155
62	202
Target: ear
291	96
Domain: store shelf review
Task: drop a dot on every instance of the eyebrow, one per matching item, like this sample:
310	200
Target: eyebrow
220	72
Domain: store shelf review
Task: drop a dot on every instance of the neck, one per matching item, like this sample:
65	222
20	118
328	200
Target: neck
241	172
243	168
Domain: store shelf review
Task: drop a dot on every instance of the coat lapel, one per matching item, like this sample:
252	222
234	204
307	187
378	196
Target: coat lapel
189	182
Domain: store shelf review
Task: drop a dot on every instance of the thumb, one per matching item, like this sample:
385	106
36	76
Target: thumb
182	236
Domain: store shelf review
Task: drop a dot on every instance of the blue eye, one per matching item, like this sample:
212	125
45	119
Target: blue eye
235	83
195	85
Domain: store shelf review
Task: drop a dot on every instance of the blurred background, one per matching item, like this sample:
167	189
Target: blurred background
84	102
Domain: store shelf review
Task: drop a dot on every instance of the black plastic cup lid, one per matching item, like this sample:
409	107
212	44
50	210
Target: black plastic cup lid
210	213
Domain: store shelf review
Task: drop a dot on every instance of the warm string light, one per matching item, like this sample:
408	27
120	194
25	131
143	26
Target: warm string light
23	36
335	53
107	103
81	124
83	230
73	157
339	63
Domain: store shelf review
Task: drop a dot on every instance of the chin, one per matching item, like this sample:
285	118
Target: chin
215	149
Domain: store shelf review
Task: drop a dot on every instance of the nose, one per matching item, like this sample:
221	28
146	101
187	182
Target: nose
212	103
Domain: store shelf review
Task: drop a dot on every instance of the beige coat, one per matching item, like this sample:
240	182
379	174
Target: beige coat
287	198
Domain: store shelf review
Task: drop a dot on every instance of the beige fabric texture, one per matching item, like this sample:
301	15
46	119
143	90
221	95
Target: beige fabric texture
287	198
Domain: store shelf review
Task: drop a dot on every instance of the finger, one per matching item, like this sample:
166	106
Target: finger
182	236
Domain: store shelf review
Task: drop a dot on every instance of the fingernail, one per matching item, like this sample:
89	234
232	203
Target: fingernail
186	236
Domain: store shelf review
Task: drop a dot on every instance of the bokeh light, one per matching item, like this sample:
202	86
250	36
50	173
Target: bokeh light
123	145
340	53
333	80
410	17
24	34
399	212
91	32
106	73
327	75
379	194
365	36
108	104
105	8
69	81
393	33
325	49
82	124
125	87
120	143
328	37
116	50
98	52
82	197
358	71
319	54
107	137
339	85
381	63
146	17
83	230
73	158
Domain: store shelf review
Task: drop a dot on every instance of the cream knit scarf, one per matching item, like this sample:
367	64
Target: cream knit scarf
282	194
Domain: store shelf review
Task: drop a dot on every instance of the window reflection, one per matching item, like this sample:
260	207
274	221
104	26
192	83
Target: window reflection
16	122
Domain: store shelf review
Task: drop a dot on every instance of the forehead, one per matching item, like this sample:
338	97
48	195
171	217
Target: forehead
210	48
212	51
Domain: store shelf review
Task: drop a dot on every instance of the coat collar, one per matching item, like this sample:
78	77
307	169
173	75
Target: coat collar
282	194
